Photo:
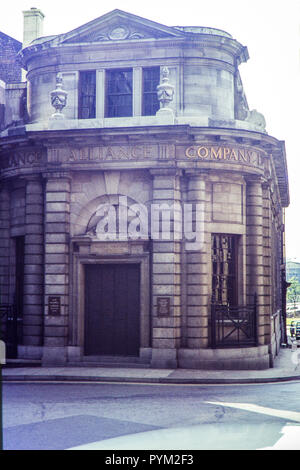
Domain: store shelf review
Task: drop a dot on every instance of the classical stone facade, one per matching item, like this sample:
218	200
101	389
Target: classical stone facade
135	225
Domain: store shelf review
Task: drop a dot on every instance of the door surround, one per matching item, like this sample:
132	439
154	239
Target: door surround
88	253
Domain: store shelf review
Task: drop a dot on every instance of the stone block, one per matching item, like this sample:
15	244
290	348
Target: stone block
164	358
56	289
31	289
164	257
35	310
33	330
74	353
35	199
56	269
56	279
163	333
53	227
30	319
56	217
163	195
56	248
166	279
55	331
30	352
33	238
34	209
163	183
34	278
60	258
54	355
55	342
57	197
59	185
36	228
166	290
32	340
32	249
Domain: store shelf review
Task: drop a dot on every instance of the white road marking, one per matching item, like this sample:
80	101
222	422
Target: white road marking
285	414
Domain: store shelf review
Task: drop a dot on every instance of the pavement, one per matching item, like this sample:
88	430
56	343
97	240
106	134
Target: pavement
286	368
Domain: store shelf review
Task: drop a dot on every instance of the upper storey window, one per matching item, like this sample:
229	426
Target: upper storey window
151	79
87	95
119	93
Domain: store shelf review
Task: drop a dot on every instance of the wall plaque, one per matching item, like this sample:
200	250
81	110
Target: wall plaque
54	306
163	306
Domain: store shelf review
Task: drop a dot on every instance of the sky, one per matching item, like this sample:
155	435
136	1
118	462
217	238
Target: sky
271	77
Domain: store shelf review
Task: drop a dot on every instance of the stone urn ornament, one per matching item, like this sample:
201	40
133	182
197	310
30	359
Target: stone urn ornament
58	98
165	92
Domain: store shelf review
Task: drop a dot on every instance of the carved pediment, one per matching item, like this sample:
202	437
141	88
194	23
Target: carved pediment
118	26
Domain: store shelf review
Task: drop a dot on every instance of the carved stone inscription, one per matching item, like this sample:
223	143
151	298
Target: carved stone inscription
23	159
111	153
243	155
136	152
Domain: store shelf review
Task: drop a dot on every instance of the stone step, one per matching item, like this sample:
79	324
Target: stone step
13	363
111	361
123	365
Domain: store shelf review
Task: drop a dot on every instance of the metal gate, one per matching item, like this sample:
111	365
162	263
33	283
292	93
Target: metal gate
234	326
9	329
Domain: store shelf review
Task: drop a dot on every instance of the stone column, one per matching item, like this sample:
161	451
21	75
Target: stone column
100	93
198	262
33	269
57	229
137	91
254	250
4	243
267	261
166	268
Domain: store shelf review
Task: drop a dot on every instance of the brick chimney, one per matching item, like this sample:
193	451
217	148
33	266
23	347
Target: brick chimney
33	25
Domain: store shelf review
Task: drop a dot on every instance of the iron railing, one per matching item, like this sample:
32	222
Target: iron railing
9	329
234	326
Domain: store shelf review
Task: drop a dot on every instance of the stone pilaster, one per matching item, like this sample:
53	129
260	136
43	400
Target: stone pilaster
166	327
33	267
57	223
255	261
198	274
4	243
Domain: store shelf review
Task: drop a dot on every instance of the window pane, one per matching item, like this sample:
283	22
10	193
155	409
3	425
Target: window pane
224	259
87	95
118	93
151	79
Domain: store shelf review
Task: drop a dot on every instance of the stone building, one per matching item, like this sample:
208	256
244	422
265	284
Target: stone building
10	69
292	270
11	88
141	204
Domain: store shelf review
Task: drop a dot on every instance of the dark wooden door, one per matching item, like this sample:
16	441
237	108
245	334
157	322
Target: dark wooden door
112	309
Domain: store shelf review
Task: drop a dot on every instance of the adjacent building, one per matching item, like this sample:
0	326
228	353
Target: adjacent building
292	270
141	201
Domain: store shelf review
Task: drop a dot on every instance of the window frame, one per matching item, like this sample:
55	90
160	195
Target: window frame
107	94
91	108
148	93
232	279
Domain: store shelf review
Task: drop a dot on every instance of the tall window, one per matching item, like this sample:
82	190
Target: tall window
118	93
87	95
224	269
151	79
19	286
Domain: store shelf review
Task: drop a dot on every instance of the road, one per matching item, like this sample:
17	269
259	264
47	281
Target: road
53	416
